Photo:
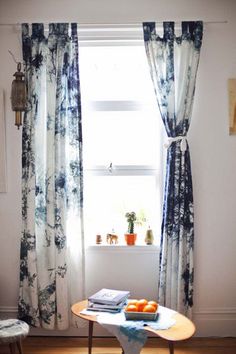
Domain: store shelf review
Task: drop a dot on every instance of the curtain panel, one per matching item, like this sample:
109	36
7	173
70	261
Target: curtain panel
173	60
51	258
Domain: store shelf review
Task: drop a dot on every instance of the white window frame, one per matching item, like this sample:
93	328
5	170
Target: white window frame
118	35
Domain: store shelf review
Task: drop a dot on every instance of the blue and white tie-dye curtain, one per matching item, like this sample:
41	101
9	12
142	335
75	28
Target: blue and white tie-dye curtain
51	260
173	61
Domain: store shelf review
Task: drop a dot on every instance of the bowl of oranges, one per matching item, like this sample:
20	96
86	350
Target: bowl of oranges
141	310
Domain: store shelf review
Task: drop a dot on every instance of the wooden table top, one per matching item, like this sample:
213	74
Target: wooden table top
181	330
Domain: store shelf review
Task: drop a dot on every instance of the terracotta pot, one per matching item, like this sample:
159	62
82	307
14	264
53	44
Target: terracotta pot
130	239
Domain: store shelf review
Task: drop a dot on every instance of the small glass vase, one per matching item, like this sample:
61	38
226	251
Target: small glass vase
149	237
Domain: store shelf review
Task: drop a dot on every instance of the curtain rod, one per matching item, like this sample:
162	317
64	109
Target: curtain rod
136	24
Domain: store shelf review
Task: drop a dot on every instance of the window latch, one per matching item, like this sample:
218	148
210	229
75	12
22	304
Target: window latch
110	168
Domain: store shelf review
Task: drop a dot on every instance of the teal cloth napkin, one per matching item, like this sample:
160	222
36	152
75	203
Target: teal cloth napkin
131	334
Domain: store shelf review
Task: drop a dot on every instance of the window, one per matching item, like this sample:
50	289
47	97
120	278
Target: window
122	140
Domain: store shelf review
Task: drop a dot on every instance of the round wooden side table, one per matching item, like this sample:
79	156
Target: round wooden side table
181	330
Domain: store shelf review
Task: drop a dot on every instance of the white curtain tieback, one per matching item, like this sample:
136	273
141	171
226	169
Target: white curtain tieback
183	144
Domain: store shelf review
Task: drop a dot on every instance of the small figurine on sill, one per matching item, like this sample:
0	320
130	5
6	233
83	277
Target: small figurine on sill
112	239
98	239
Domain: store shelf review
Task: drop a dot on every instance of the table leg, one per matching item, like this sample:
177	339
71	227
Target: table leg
171	347
90	337
12	348
18	343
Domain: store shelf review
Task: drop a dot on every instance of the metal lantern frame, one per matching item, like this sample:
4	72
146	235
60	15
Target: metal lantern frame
18	95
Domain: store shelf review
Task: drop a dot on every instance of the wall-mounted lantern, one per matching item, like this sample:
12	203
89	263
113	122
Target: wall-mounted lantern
18	95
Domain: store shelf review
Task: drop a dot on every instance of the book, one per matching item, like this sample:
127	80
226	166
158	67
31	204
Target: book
109	296
94	306
102	310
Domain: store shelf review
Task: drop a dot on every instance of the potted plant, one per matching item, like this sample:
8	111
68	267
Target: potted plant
130	236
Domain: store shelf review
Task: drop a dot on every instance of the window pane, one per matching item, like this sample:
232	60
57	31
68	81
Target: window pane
115	73
123	138
121	122
108	199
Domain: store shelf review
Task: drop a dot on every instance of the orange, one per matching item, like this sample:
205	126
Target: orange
141	304
131	308
132	302
149	308
153	303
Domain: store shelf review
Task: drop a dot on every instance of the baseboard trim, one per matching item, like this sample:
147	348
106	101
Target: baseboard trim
8	309
204	311
216	311
215	321
210	322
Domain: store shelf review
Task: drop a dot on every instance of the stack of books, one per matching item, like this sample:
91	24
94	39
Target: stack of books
108	300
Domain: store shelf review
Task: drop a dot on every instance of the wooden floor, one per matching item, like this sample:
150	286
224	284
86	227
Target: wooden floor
72	345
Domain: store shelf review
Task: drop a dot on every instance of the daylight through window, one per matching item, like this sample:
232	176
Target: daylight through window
122	141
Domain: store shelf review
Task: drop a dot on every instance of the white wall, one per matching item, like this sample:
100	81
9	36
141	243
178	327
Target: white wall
213	158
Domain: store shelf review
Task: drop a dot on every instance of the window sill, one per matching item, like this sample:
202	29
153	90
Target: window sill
141	249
